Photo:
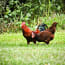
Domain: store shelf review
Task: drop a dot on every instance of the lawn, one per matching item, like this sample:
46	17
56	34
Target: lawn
15	51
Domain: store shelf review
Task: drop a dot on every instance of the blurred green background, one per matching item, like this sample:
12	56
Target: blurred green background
33	12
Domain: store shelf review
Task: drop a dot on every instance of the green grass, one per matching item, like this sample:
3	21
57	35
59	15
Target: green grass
15	51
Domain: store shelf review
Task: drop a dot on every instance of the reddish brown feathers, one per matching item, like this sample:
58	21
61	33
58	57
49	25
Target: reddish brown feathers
45	36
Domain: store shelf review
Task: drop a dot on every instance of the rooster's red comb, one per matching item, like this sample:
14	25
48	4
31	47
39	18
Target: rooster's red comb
23	23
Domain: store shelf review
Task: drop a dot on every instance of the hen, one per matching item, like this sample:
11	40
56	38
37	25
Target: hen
47	35
27	33
52	29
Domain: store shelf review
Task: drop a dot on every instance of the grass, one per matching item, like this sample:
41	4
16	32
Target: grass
15	51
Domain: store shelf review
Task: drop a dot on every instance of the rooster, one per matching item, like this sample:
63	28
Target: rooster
45	36
27	33
42	27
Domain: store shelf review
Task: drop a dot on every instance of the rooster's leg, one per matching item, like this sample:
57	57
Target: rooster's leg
28	42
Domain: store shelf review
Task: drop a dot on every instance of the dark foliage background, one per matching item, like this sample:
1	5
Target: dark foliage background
13	12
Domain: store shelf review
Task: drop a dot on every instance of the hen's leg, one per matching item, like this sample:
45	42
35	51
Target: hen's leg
34	42
47	41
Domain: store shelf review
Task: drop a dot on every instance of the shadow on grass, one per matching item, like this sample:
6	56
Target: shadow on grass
5	44
38	44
